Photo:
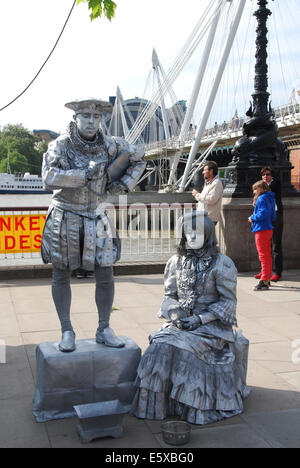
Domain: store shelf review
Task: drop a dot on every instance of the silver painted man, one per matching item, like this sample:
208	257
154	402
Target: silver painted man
78	233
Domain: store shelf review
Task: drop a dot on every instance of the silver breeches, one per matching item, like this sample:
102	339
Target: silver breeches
71	241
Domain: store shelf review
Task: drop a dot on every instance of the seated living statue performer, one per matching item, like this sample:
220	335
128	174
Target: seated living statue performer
78	233
195	367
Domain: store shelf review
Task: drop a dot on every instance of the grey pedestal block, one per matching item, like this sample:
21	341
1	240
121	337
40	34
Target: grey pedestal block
91	374
98	420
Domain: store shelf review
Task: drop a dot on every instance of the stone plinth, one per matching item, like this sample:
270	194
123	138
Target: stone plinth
237	241
91	374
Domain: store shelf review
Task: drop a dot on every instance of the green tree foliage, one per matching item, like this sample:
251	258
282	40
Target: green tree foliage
17	163
97	7
22	148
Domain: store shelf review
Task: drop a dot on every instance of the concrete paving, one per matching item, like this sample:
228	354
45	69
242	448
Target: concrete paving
269	319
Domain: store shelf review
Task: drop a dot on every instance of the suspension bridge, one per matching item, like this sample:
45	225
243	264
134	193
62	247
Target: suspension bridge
184	133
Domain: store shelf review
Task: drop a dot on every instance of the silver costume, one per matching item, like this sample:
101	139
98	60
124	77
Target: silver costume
199	374
81	167
77	213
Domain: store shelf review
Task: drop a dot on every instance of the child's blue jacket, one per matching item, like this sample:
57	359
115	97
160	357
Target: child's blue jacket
264	212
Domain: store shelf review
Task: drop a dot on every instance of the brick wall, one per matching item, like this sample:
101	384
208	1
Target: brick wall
295	160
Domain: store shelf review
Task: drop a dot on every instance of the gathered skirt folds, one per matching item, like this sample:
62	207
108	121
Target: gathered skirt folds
173	381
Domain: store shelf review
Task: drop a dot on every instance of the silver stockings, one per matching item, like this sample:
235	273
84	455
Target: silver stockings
104	295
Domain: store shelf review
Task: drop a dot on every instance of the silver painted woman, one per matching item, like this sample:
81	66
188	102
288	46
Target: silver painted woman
196	365
78	232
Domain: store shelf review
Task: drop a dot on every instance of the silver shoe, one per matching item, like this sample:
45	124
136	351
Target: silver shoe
67	344
108	337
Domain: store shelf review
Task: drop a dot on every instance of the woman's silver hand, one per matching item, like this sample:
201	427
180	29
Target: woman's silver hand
190	323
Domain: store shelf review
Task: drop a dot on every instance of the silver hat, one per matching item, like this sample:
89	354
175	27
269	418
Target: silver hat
90	103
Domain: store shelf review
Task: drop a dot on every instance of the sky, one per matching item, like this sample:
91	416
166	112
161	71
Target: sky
93	58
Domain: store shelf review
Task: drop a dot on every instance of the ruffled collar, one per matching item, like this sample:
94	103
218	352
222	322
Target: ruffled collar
84	146
195	267
199	255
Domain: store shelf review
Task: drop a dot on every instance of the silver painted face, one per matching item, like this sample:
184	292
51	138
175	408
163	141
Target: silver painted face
88	123
194	237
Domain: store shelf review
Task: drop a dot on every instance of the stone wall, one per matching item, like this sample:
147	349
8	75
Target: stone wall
295	174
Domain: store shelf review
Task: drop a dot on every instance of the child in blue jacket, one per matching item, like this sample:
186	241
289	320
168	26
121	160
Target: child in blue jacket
262	225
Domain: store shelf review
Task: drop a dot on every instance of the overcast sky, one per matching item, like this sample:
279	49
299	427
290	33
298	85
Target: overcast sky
92	58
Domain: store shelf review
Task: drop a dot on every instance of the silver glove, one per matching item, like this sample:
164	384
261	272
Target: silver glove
92	170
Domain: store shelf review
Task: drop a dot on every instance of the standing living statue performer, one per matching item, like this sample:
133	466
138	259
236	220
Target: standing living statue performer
196	364
81	167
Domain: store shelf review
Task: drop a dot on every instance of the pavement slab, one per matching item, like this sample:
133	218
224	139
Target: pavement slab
292	378
279	428
270	320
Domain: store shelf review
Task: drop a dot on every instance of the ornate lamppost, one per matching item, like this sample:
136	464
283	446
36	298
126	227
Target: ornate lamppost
259	146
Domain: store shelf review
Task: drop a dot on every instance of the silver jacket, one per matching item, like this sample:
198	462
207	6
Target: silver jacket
78	232
65	167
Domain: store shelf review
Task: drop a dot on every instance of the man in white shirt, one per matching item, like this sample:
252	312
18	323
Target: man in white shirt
210	199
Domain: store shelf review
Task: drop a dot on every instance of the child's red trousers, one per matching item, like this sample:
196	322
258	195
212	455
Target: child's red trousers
264	249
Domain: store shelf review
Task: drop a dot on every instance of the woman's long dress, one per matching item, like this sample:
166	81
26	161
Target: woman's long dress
198	375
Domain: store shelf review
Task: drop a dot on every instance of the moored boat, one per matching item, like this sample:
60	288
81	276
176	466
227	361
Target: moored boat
22	184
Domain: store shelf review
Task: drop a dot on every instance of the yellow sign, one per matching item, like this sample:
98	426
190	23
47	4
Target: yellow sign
21	233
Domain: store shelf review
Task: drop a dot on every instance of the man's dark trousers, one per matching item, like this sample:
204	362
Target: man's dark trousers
277	244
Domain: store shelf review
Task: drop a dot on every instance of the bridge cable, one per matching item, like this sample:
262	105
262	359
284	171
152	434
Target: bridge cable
290	69
173	73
